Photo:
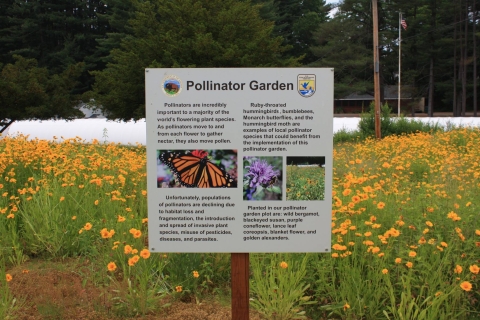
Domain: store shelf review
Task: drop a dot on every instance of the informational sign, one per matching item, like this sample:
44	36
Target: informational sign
239	160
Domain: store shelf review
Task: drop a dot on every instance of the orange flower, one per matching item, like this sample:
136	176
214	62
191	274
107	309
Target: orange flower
283	265
107	234
398	260
112	266
458	269
87	226
8	277
385	271
145	254
137	234
128	249
409	264
428	223
412	254
466	286
346	306
120	218
133	260
195	274
381	205
178	288
474	269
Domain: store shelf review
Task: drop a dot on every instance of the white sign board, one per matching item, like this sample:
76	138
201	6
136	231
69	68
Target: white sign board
239	160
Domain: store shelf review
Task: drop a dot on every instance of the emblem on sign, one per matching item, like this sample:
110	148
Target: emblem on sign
172	86
306	85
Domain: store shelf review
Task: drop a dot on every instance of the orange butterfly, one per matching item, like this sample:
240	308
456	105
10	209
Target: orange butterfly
194	170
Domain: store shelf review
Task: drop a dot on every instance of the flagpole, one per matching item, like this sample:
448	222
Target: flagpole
399	57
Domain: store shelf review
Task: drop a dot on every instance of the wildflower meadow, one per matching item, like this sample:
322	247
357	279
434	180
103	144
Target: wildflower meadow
405	232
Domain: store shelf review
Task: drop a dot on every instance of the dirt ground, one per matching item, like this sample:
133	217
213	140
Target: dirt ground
63	291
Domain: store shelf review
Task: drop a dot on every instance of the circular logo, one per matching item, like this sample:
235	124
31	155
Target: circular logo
172	86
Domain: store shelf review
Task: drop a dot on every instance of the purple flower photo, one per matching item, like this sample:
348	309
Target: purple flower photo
262	178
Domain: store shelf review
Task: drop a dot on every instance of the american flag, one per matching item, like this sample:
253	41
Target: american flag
404	24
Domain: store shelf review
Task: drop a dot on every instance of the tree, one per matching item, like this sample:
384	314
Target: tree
296	21
55	33
29	92
188	33
345	43
115	19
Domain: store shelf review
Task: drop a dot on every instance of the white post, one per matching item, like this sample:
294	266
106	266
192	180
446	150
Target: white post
399	56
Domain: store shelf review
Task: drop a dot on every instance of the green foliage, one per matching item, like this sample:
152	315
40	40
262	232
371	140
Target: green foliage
418	304
143	294
213	34
396	243
197	274
345	44
278	287
367	121
391	126
8	303
56	33
297	21
29	92
344	135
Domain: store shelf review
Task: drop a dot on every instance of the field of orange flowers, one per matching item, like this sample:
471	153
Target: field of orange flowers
405	230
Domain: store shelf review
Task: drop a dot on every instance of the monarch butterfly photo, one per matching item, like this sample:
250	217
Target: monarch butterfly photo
197	169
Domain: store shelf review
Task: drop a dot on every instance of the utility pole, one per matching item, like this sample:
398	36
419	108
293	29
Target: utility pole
376	66
399	60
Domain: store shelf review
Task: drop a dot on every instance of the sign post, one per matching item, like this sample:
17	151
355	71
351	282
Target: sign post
239	160
240	286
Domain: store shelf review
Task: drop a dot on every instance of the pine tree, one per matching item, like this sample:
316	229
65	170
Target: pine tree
188	33
345	43
296	21
30	92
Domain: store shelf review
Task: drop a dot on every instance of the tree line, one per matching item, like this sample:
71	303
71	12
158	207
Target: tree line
54	54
